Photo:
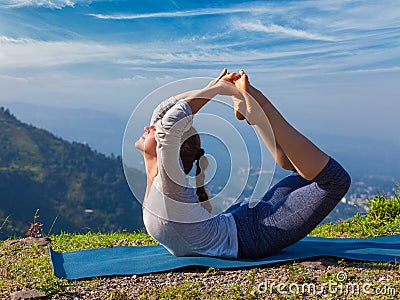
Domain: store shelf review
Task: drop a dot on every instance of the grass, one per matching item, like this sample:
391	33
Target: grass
71	242
28	267
382	218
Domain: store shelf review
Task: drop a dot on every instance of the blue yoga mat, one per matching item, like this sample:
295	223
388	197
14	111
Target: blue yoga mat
151	259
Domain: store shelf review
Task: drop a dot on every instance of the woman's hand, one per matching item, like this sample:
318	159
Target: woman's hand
226	85
222	85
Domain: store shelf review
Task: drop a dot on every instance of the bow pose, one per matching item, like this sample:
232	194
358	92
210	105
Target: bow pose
178	215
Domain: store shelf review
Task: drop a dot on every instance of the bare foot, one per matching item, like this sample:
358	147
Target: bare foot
252	109
243	82
239	104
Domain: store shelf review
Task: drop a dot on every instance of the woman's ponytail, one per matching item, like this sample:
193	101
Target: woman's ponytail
201	166
190	153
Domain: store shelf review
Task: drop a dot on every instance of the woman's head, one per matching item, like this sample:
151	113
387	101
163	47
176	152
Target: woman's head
147	144
190	152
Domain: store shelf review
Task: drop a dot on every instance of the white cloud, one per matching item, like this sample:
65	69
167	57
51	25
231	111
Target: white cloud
15	78
55	4
138	61
335	48
26	53
22	53
6	39
374	70
273	28
187	13
134	78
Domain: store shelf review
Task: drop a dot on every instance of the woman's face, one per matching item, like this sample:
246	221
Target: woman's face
147	144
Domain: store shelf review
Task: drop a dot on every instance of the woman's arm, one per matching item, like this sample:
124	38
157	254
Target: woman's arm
222	85
169	131
174	118
198	98
167	104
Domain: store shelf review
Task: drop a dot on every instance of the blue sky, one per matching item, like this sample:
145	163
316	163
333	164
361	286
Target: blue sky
330	66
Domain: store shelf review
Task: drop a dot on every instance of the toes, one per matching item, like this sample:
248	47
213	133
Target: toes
223	73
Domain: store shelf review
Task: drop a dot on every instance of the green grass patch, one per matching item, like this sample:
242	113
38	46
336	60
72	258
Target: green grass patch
71	242
183	291
382	218
29	267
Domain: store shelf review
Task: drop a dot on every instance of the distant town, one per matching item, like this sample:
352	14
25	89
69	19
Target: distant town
363	189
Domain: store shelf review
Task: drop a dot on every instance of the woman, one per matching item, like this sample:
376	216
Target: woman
288	212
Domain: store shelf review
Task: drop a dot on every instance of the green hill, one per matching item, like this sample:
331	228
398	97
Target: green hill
74	187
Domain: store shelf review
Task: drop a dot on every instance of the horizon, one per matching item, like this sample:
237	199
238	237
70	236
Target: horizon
332	67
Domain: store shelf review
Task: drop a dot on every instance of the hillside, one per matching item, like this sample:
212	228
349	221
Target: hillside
74	187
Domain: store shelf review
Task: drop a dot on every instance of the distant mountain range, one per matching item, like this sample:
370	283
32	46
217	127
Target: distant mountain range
76	188
102	131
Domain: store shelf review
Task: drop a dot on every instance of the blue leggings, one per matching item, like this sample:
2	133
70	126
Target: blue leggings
289	211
